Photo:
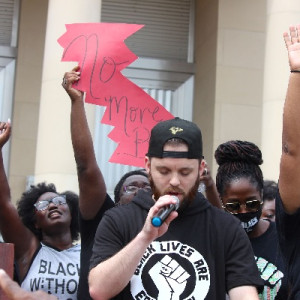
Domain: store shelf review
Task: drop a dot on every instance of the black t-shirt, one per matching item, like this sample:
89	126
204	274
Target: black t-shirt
288	227
87	230
204	253
269	261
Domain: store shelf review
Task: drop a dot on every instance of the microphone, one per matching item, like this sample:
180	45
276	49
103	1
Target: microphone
164	212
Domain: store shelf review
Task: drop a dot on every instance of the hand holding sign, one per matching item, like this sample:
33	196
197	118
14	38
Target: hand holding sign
101	53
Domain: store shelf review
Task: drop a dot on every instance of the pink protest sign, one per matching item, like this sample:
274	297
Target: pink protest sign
101	53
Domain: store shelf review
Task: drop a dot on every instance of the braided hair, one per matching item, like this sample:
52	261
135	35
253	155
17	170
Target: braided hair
238	159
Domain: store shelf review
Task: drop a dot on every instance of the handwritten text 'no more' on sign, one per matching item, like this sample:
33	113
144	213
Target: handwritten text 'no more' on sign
101	53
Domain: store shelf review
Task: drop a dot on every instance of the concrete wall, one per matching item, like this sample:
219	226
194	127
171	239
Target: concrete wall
240	83
41	144
230	37
280	14
206	33
31	43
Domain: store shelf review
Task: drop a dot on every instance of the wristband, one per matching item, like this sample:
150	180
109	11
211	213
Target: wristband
295	71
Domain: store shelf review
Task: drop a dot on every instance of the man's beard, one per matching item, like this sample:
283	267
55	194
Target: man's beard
187	198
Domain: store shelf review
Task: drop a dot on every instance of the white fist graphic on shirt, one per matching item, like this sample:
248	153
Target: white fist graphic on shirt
169	277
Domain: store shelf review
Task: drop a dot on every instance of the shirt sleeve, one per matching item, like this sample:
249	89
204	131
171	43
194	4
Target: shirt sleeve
88	227
241	268
108	240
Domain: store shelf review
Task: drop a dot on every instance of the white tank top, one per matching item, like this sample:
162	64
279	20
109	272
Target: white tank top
55	272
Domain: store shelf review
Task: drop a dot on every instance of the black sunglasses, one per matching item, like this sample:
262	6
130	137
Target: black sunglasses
250	205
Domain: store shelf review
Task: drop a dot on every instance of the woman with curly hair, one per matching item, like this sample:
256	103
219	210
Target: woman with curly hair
43	230
239	182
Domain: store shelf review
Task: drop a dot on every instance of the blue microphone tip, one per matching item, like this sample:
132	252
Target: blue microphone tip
156	222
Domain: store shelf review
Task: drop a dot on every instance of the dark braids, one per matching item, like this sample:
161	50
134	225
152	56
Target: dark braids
238	159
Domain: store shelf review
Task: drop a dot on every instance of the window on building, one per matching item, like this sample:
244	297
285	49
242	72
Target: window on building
164	69
9	10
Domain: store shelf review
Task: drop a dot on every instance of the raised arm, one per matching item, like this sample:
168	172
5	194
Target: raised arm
289	178
11	226
92	189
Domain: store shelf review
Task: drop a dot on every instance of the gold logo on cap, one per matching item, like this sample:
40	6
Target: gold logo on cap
174	129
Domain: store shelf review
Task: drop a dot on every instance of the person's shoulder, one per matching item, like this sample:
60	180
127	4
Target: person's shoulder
138	204
223	215
122	218
75	248
122	209
108	203
283	217
216	213
226	224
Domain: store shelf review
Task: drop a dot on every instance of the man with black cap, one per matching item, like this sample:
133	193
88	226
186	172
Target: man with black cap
198	252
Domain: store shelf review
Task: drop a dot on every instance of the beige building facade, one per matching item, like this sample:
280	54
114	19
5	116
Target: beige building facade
235	56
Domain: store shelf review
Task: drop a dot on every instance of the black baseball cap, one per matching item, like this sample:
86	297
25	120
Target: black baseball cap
185	130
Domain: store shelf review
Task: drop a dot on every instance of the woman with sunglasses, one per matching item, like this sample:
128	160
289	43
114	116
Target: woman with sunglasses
239	182
43	230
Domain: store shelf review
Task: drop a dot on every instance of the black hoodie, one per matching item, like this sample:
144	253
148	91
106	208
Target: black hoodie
204	253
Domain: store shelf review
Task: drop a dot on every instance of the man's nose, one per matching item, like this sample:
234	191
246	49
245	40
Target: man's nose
175	180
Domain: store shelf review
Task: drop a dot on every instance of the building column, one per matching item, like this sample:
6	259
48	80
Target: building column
229	55
31	42
54	158
280	14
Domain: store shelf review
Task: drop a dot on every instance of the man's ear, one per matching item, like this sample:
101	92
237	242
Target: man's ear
202	166
147	164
